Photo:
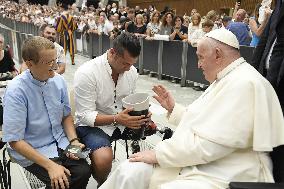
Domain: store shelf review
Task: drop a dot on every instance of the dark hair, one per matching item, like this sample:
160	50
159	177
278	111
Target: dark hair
178	17
164	18
129	42
226	19
45	25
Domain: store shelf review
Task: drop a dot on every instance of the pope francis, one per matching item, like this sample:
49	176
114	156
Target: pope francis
225	135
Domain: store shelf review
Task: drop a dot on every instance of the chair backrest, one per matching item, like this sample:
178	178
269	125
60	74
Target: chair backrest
277	157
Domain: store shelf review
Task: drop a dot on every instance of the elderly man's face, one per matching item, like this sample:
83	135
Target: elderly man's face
207	60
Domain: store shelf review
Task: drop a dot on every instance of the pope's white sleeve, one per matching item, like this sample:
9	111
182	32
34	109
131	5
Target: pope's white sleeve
189	151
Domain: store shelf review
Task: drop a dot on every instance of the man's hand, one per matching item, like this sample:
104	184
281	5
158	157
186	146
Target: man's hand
164	97
148	156
132	122
57	174
76	143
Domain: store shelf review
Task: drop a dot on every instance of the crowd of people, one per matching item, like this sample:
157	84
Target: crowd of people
149	23
239	118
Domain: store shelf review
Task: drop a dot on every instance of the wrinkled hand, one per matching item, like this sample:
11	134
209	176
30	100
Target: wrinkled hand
148	156
57	174
164	97
132	122
75	143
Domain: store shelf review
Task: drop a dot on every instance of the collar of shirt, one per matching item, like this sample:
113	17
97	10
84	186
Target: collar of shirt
230	68
35	81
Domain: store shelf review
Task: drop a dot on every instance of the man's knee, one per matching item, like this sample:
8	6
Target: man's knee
102	157
130	170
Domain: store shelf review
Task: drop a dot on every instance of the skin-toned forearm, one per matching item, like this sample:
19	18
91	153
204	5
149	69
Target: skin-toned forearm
104	120
69	129
23	148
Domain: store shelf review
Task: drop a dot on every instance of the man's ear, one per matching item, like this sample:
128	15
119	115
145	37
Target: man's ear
112	51
28	63
219	53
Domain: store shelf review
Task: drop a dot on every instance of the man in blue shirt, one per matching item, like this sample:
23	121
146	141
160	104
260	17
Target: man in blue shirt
37	122
239	28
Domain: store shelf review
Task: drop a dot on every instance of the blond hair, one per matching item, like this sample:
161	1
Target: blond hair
32	47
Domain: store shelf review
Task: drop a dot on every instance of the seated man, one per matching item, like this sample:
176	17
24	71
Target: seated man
100	85
224	136
37	122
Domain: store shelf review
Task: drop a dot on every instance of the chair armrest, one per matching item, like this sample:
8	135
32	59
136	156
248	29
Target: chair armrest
255	185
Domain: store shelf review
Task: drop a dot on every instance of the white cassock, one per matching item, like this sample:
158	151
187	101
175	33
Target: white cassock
223	136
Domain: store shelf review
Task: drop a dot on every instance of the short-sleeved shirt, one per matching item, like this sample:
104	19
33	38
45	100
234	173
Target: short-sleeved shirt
33	112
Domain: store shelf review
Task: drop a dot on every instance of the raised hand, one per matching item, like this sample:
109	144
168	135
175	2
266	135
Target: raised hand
164	97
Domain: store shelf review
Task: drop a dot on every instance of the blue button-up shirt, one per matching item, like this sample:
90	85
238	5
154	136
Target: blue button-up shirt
33	112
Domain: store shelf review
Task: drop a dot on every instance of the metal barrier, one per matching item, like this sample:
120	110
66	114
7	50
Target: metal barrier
171	58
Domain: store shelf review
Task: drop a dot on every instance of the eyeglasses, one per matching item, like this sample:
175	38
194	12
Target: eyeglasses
50	62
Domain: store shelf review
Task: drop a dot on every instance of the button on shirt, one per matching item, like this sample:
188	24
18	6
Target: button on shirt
96	93
33	112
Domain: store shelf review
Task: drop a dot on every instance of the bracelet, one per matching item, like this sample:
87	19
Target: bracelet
114	123
72	140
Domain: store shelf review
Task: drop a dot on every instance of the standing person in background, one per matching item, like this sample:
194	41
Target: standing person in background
239	28
268	58
186	21
167	24
179	31
153	26
256	27
207	26
7	65
213	15
65	26
139	26
194	25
